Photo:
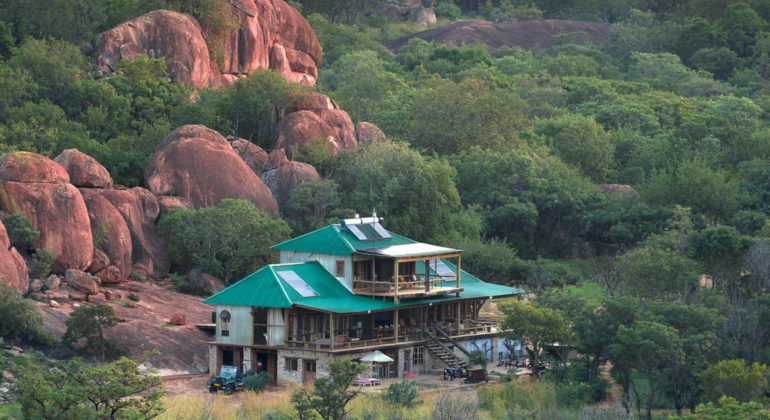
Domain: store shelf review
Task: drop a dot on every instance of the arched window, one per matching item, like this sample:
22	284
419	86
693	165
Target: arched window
224	319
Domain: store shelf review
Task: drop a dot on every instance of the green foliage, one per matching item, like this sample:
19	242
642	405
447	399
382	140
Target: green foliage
533	326
649	271
735	379
574	386
579	141
728	408
414	193
20	231
20	319
72	390
89	322
228	240
448	9
331	394
402	394
257	382
41	262
478	358
100	233
311	205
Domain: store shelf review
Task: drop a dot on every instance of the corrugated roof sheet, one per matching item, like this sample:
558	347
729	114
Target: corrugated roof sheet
417	249
335	240
265	288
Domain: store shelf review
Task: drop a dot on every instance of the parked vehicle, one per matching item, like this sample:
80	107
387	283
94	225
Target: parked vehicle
229	380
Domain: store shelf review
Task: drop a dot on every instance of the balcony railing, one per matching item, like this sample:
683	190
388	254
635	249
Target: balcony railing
408	286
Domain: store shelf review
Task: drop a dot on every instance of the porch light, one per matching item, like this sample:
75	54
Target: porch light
368	312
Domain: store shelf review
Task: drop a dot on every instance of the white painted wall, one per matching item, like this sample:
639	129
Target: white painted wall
328	261
241	325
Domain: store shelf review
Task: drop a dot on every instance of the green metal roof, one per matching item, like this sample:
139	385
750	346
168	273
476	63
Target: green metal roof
265	288
336	241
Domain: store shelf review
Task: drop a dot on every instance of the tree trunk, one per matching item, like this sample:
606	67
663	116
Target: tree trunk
678	399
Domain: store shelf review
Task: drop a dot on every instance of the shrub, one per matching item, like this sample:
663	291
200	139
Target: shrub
258	382
402	394
41	262
455	405
20	231
20	319
448	9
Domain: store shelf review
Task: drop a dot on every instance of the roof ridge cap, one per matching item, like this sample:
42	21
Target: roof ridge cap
286	295
339	235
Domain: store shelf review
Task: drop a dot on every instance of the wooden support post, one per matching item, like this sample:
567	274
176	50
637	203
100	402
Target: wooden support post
458	274
285	326
372	275
457	318
331	331
395	280
395	324
427	276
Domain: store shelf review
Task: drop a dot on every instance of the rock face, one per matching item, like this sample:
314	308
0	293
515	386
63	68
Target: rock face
13	270
200	165
526	34
301	127
283	180
368	133
140	211
83	170
58	211
168	203
81	281
30	167
254	156
414	13
272	35
106	220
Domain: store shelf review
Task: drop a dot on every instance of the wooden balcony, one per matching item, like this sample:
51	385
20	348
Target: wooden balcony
407	287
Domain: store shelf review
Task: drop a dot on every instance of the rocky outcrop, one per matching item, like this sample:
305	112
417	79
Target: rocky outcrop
38	188
200	165
525	34
283	180
83	170
81	281
140	211
168	203
368	133
272	35
408	12
115	236
301	127
30	167
13	270
254	156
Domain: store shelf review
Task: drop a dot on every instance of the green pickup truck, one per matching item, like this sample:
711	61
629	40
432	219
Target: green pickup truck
228	380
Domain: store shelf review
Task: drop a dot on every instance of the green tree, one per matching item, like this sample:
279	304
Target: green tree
20	231
736	379
533	326
40	263
331	394
19	318
728	408
579	141
651	349
311	204
70	390
89	322
228	240
655	272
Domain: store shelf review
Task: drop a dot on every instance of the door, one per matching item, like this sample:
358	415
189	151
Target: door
308	375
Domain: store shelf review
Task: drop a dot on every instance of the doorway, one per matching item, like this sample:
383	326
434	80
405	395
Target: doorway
308	374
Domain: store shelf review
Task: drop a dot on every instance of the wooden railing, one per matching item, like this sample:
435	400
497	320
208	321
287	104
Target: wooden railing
404	283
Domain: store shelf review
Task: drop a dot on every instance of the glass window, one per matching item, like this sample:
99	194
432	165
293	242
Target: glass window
340	269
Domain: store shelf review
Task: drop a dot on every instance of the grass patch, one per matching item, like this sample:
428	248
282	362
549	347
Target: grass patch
592	292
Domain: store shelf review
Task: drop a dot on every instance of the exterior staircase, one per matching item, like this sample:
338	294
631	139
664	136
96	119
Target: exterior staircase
443	349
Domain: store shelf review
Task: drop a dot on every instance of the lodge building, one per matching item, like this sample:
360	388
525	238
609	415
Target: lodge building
345	290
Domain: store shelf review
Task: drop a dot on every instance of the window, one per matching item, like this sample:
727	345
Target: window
418	356
292	363
224	323
340	269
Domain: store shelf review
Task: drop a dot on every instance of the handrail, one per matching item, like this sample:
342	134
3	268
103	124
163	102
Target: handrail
443	346
451	340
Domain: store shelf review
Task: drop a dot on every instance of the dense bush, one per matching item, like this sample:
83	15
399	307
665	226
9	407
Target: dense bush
20	231
40	263
20	319
403	394
257	382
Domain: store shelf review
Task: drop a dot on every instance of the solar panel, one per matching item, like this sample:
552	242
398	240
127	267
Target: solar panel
357	232
442	269
297	283
384	234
